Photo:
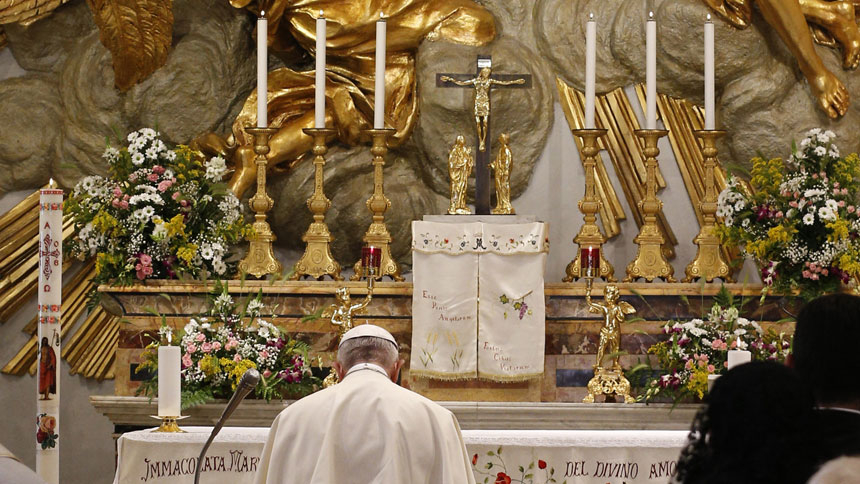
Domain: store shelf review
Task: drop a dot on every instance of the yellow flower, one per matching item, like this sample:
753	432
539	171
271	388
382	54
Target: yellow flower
176	226
766	175
759	248
781	233
209	365
698	381
187	253
838	230
239	369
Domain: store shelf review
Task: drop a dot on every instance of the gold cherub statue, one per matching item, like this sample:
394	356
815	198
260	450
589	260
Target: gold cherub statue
460	163
483	83
340	314
610	380
501	167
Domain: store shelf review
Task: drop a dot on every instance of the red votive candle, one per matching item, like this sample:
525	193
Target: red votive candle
589	261
371	258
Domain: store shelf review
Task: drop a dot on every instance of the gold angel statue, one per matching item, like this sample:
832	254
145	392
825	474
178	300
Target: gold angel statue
501	167
483	83
460	163
614	312
341	314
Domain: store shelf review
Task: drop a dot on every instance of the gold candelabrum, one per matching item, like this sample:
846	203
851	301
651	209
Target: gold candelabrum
260	260
709	262
608	380
589	234
650	262
377	234
317	260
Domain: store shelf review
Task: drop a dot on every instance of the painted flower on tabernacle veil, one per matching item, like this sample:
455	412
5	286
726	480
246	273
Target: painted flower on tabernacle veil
502	478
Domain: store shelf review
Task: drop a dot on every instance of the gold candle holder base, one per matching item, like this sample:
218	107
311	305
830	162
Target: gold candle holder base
377	234
317	260
610	382
169	425
589	234
260	260
650	262
709	262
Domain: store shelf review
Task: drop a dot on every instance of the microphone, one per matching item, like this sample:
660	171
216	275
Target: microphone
249	380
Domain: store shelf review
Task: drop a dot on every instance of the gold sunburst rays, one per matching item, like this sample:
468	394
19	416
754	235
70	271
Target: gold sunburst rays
25	12
91	349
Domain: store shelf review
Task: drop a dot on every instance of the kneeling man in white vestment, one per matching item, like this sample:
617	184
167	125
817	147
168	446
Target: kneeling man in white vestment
366	429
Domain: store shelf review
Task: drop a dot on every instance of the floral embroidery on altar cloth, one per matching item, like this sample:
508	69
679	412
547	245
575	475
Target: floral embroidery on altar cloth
497	469
483	238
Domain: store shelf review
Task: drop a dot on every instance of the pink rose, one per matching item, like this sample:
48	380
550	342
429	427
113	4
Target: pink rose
711	368
200	337
267	373
145	259
851	209
264	354
237	357
216	346
175	195
186	361
206	347
841	203
117	192
164	185
115	203
190	349
123	204
152	177
158	169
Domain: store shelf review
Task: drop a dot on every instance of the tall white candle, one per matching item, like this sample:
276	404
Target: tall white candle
709	74
379	88
319	101
49	334
738	357
651	72
262	70
590	68
169	358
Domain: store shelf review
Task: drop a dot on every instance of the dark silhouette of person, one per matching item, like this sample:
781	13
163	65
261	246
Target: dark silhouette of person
754	428
832	371
47	370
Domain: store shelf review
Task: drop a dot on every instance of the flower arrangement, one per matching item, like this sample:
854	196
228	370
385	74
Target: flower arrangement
801	221
161	213
699	347
218	348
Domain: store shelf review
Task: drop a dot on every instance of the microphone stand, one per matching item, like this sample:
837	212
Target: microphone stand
249	380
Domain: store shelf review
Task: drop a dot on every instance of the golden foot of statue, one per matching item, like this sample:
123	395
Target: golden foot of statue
832	96
851	55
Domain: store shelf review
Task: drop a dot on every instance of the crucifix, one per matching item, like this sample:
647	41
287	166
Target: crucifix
483	81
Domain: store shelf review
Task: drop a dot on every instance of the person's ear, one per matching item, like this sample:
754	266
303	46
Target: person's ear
396	373
338	370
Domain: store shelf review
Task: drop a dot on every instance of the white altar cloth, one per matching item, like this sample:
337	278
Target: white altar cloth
577	456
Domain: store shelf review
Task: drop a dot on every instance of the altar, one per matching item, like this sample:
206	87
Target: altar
575	456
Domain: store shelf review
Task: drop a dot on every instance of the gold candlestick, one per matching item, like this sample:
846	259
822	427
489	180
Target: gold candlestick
317	260
650	262
377	234
260	259
709	262
589	234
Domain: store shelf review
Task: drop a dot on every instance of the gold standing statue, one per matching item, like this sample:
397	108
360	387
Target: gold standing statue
483	83
340	314
501	167
460	164
609	380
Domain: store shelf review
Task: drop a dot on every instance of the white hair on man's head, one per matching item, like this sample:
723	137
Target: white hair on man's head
367	349
838	471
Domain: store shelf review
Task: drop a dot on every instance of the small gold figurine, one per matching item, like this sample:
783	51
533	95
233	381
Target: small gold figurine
341	314
483	83
460	163
501	167
610	380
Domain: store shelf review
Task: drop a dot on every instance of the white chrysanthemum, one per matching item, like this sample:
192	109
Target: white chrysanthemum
826	213
206	252
170	155
137	158
808	219
832	205
739	205
219	266
152	153
729	221
216	168
813	131
746	223
111	154
820	151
